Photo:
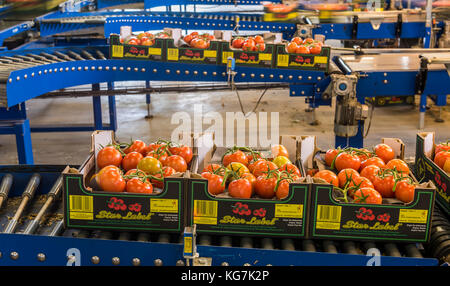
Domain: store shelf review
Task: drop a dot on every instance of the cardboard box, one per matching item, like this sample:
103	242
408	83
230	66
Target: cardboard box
425	168
331	218
223	214
86	207
264	58
118	50
181	52
319	62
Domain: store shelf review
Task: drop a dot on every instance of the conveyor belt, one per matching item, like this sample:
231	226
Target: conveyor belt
51	226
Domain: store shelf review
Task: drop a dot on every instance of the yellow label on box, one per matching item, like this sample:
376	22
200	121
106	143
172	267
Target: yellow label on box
154	51
328	225
188	244
413	216
225	56
164	205
117	51
81	215
320	60
210	54
283	60
289	210
328	217
205	208
205	220
265	57
172	54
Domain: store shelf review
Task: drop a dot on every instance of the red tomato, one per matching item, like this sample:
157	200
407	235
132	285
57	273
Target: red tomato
373	161
297	40
370	172
111	180
177	162
398	165
136	185
240	188
364	154
263	167
252	165
237	43
328	176
163	173
384	151
315	49
214	169
368	196
441	157
136	146
384	185
253	157
251	178
292	48
131	160
442	147
346	176
215	183
236	156
199	43
290	168
308	41
347	160
183	151
147	42
282	191
159	154
404	191
260	47
133	41
330	155
259	40
279	150
302	50
151	147
108	156
358	183
265	186
249	45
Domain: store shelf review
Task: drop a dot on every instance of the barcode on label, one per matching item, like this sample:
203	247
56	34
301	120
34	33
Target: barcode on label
329	213
172	54
81	203
117	51
205	208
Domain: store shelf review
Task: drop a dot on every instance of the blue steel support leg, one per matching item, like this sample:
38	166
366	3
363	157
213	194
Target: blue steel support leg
148	101
422	109
97	105
23	142
112	108
355	141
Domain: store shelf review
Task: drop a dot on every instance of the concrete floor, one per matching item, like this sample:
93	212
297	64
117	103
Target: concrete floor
73	148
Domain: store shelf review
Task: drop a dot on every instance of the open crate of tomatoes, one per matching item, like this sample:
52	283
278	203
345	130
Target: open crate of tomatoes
305	54
128	187
362	194
256	51
279	12
143	45
241	191
433	163
193	48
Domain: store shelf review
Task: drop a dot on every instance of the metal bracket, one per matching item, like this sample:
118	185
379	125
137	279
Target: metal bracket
421	77
355	27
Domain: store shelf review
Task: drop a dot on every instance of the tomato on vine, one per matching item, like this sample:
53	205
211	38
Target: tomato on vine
109	155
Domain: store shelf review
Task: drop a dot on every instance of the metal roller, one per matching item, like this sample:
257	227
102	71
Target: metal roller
164	238
412	251
205	240
143	237
27	195
308	245
247	242
329	246
287	244
124	236
349	247
51	196
225	241
392	250
57	228
267	243
5	186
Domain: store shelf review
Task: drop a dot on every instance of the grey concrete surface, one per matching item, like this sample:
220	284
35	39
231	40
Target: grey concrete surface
73	148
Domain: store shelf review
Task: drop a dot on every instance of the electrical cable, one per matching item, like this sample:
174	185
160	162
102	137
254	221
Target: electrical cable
372	107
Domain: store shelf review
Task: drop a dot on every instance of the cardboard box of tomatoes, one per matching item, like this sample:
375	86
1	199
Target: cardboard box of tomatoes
358	194
146	46
123	190
279	12
256	51
433	163
236	201
305	54
201	48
